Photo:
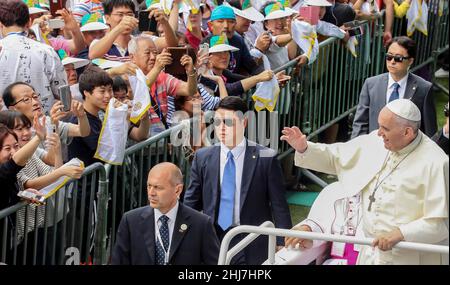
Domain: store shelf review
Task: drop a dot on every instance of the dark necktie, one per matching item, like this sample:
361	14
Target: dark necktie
395	95
164	234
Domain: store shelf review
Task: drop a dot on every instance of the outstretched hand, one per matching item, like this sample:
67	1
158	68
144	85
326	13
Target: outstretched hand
295	138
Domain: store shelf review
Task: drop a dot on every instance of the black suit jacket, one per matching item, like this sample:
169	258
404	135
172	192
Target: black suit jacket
135	243
262	192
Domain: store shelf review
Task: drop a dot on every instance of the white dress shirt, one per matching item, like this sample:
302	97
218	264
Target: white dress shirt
401	91
238	156
172	215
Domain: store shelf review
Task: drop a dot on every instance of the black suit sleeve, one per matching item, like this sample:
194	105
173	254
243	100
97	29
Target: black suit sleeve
211	245
193	195
441	141
280	208
429	114
121	254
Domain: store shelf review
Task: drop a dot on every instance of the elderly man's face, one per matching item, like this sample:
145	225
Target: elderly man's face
398	68
221	26
395	136
162	191
71	74
145	55
229	127
26	101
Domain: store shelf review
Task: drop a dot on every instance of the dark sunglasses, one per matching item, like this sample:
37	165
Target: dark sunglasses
228	122
397	58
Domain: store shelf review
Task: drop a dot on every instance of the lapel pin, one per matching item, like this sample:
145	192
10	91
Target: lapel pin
183	227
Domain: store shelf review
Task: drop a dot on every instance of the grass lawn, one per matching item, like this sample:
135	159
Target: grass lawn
298	213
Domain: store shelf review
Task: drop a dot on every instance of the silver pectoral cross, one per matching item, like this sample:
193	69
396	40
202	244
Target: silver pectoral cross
371	199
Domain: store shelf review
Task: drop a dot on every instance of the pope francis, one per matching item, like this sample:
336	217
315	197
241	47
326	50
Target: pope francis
397	177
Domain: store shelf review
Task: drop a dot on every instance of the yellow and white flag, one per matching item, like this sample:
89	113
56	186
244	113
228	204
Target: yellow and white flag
351	45
51	189
267	92
305	36
40	37
417	17
141	100
113	136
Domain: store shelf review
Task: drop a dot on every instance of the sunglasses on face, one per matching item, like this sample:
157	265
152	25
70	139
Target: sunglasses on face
397	58
228	122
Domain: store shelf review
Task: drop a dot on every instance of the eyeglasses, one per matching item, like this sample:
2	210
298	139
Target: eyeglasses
131	14
27	99
397	58
228	122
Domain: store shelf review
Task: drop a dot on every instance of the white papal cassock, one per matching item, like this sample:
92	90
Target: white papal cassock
414	197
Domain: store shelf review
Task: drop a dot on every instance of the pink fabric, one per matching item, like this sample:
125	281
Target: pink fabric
60	43
349	254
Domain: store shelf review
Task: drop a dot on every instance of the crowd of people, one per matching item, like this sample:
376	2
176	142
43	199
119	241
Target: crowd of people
146	61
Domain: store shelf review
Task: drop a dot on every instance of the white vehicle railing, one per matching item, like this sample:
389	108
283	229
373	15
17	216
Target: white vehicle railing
268	228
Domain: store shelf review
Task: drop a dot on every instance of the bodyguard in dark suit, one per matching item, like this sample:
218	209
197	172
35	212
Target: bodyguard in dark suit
398	83
166	232
441	137
238	182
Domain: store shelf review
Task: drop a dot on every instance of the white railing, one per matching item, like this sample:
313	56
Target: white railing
267	228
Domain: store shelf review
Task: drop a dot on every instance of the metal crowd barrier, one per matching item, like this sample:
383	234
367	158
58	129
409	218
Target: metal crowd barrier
42	235
319	96
268	228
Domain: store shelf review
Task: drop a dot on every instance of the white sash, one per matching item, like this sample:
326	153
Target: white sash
113	136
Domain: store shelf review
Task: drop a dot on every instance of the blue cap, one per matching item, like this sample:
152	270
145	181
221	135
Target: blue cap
222	12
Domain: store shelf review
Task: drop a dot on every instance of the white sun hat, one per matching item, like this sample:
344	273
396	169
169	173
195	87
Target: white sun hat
94	26
77	62
220	44
275	11
250	13
36	10
319	3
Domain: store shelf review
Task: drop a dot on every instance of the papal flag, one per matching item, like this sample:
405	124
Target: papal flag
267	92
417	17
351	45
305	36
141	100
165	5
113	136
